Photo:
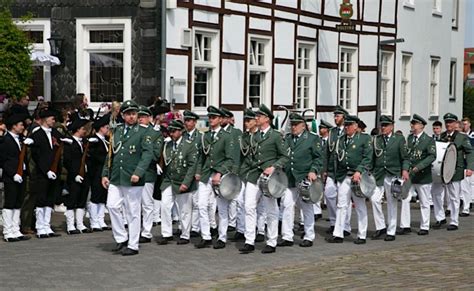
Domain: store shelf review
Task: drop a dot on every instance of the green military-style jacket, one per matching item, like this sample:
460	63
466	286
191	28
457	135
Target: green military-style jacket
465	155
246	157
354	157
422	154
329	160
217	154
267	150
157	139
389	158
132	154
180	166
236	135
305	156
196	138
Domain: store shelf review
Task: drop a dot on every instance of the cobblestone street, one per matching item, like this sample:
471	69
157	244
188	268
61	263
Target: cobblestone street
440	260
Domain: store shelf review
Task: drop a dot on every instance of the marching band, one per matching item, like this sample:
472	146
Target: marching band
146	170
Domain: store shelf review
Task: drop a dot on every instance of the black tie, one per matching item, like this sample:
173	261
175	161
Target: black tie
339	132
415	139
213	133
125	130
295	138
174	145
324	142
349	141
386	139
262	134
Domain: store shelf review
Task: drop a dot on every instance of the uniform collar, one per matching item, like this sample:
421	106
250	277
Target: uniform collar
216	130
265	130
15	136
47	130
78	139
418	135
190	133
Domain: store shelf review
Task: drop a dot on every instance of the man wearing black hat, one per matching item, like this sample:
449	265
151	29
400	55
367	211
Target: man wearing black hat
98	151
14	177
77	178
464	163
422	153
270	153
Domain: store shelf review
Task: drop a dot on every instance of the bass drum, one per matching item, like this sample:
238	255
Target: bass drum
366	187
275	185
229	186
311	192
444	166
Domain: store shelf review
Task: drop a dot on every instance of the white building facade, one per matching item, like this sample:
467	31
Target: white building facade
239	54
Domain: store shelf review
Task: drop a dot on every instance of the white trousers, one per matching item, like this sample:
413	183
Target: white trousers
405	215
252	196
467	190
97	215
204	200
43	220
212	208
392	206
437	193
8	224
424	195
195	217
184	206
223	209
453	191
127	198
288	203
156	211
317	208
232	213
330	193
148	206
261	217
377	210
240	209
343	204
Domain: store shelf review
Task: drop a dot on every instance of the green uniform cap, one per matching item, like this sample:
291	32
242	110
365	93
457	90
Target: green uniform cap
325	124
190	115
340	110
212	110
227	112
450	117
264	110
384	119
351	119
128	106
175	125
418	119
249	114
296	118
143	110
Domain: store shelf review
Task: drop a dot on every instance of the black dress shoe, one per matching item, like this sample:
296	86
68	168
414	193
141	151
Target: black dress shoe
246	249
24	237
42	236
306	244
452	227
219	245
268	249
164	240
72	232
317	216
423	232
214	232
285	243
53	234
346	233
106	228
379	233
195	234
129	252
260	238
11	239
144	240
183	241
330	230
360	241
238	236
97	230
335	239
403	230
462	214
438	224
120	246
85	230
231	228
389	238
204	243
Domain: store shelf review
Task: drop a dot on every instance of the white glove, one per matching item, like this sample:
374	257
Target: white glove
51	175
79	179
17	178
66	140
93	139
159	171
28	141
167	139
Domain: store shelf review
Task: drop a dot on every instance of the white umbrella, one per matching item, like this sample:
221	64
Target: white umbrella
42	59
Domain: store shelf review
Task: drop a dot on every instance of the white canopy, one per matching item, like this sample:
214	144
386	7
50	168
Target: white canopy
42	59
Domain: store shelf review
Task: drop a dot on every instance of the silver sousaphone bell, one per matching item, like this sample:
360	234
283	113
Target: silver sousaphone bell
366	187
400	188
311	192
229	187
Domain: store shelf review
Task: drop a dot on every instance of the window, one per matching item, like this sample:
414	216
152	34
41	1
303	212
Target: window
259	72
104	59
405	87
452	80
205	67
455	14
305	88
347	79
386	83
436	6
434	86
38	31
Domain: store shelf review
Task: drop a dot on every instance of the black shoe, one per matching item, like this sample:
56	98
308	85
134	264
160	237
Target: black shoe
120	246
285	243
452	227
12	239
378	234
268	249
330	230
72	232
53	234
423	232
164	240
317	216
230	228
214	232
306	244
260	238
447	212
462	214
219	245
97	230
360	241
246	249
24	237
203	244
85	230
238	236
129	252
438	224
183	241
195	234
144	240
346	233
335	239
403	230
42	236
389	238
106	228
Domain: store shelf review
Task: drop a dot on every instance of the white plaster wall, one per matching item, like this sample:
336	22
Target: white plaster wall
367	88
284	40
234	34
233	74
176	20
178	68
328	46
283	84
327	87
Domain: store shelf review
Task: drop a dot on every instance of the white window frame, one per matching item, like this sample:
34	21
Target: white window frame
265	69
455	14
452	79
348	78
212	66
405	82
437	7
434	87
309	73
45	26
386	88
84	49
409	3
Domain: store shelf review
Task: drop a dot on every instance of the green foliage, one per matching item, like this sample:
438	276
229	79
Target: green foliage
15	65
468	102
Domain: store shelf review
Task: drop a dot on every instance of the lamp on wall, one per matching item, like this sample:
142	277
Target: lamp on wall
56	44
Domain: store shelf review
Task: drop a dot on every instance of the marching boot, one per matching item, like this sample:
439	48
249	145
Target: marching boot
71	229
80	212
40	230
16	223
7	215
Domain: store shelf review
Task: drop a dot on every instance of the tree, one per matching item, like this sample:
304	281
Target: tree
15	65
468	102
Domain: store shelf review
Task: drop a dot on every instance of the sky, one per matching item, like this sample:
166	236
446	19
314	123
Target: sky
469	41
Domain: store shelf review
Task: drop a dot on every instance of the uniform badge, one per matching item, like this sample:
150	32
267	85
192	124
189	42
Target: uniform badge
132	149
353	146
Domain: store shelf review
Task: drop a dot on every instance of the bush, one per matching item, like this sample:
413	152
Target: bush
468	102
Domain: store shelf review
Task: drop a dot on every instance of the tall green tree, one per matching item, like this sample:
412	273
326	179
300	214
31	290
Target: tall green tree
468	102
